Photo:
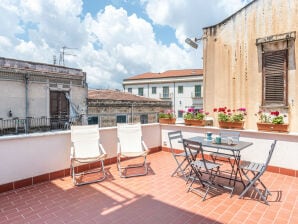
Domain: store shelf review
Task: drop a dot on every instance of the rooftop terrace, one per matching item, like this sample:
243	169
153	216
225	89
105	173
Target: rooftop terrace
155	198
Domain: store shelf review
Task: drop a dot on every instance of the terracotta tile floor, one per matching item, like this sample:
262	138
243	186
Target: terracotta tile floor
155	198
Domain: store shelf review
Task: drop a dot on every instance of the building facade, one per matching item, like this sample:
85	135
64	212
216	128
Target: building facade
181	87
250	60
109	107
35	90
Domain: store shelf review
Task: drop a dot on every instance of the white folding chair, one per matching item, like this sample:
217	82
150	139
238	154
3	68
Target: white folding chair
86	148
130	144
257	170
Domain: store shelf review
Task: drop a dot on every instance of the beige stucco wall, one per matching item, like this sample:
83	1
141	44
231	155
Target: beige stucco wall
232	69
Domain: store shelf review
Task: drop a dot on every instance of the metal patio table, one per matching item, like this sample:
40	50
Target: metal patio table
234	148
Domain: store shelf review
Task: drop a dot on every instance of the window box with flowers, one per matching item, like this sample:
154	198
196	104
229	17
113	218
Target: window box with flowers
228	118
195	117
272	121
167	117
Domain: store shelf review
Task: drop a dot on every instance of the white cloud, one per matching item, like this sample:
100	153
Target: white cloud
188	18
111	45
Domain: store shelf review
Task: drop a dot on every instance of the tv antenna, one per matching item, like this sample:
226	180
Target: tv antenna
64	52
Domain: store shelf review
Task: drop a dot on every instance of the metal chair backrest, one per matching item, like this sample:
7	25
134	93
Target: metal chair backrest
270	154
235	135
174	135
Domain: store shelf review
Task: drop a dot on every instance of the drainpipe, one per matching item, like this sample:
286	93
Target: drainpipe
132	113
26	102
174	98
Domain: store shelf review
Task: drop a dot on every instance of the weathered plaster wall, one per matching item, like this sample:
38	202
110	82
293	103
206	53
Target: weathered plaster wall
232	69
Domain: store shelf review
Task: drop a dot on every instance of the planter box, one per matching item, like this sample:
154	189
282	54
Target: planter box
231	125
273	127
167	120
194	122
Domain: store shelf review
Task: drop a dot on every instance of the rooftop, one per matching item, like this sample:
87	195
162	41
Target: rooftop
155	198
106	94
168	74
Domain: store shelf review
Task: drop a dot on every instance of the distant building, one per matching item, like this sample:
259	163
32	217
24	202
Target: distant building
181	87
250	61
109	107
35	90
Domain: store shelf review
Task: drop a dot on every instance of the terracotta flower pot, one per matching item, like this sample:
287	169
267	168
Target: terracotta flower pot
273	127
232	125
167	120
194	122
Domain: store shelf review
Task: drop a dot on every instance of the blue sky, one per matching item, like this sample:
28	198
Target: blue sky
110	39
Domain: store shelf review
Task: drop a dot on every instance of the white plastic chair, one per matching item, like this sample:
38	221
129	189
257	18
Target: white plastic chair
86	148
130	144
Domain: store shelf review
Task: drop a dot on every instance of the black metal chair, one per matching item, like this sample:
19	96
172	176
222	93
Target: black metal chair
204	171
257	169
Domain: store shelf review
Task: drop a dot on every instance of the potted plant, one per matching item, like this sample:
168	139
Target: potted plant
167	117
228	118
272	121
195	117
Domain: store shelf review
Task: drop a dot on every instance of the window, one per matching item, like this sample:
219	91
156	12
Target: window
275	82
165	92
93	120
153	90
59	105
144	118
129	90
141	91
180	89
197	91
180	113
121	119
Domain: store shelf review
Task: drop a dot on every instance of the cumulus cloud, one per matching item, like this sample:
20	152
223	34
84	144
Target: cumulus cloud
111	45
188	18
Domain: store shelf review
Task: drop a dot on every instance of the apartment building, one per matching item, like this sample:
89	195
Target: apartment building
181	87
34	92
109	107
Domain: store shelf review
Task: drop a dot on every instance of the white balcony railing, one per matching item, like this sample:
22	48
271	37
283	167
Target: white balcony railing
49	151
166	96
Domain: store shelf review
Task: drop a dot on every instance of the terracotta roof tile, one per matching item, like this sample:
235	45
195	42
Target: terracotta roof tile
168	74
106	94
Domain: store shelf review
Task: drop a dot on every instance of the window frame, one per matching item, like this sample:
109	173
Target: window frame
164	95
198	95
153	88
121	115
180	89
129	90
142	116
267	74
139	91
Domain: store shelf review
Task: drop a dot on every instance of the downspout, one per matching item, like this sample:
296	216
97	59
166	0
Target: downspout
26	102
174	98
132	113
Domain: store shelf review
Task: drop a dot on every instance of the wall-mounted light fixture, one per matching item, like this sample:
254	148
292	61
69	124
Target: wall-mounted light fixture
193	43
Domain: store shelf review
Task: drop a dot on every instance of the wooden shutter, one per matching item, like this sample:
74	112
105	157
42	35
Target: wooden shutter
59	105
275	77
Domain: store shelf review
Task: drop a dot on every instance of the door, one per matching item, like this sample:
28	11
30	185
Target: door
59	105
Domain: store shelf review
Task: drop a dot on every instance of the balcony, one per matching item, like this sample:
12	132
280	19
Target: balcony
195	96
42	159
166	96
